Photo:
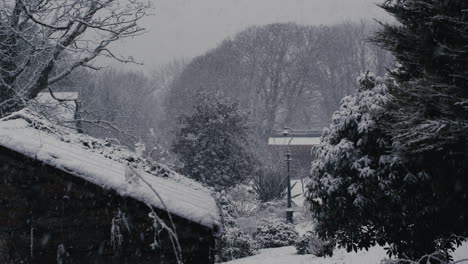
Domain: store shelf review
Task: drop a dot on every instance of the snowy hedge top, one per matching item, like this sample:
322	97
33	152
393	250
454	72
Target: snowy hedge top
110	166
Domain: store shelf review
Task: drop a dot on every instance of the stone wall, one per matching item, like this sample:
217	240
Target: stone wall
42	208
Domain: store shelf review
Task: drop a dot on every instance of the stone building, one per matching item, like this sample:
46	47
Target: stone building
70	198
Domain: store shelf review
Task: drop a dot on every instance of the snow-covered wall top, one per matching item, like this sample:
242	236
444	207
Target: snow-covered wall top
110	166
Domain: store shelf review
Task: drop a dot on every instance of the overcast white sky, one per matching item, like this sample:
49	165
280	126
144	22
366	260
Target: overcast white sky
186	28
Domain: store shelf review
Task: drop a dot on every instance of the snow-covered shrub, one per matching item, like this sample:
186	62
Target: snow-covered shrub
212	141
228	210
310	243
272	210
358	188
350	176
234	244
273	233
243	199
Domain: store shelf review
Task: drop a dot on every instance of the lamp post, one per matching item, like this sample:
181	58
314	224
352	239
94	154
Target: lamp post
289	211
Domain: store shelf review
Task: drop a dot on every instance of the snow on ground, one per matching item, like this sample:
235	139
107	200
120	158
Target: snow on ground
287	255
461	253
305	226
302	223
297	191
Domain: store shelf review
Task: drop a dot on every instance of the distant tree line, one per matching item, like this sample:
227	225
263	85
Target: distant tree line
282	74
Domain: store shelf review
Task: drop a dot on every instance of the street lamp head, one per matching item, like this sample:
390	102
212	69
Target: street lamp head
286	131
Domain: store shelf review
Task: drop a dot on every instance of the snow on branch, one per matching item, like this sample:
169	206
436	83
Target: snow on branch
45	41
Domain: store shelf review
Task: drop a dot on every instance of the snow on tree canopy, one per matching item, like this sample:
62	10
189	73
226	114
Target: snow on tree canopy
345	145
107	164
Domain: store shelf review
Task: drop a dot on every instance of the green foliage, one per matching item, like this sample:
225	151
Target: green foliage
429	115
272	233
428	118
356	174
228	209
350	175
270	185
211	142
310	243
395	157
270	179
430	40
235	244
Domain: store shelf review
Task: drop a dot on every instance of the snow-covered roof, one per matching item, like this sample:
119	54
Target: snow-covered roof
110	166
57	111
295	141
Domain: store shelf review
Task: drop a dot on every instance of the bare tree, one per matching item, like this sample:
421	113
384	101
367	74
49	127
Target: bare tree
164	75
217	72
348	53
122	105
282	74
43	41
280	57
162	79
115	104
267	68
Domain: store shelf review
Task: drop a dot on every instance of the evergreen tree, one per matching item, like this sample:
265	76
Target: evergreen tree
430	39
410	191
393	167
212	142
361	194
428	116
430	110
